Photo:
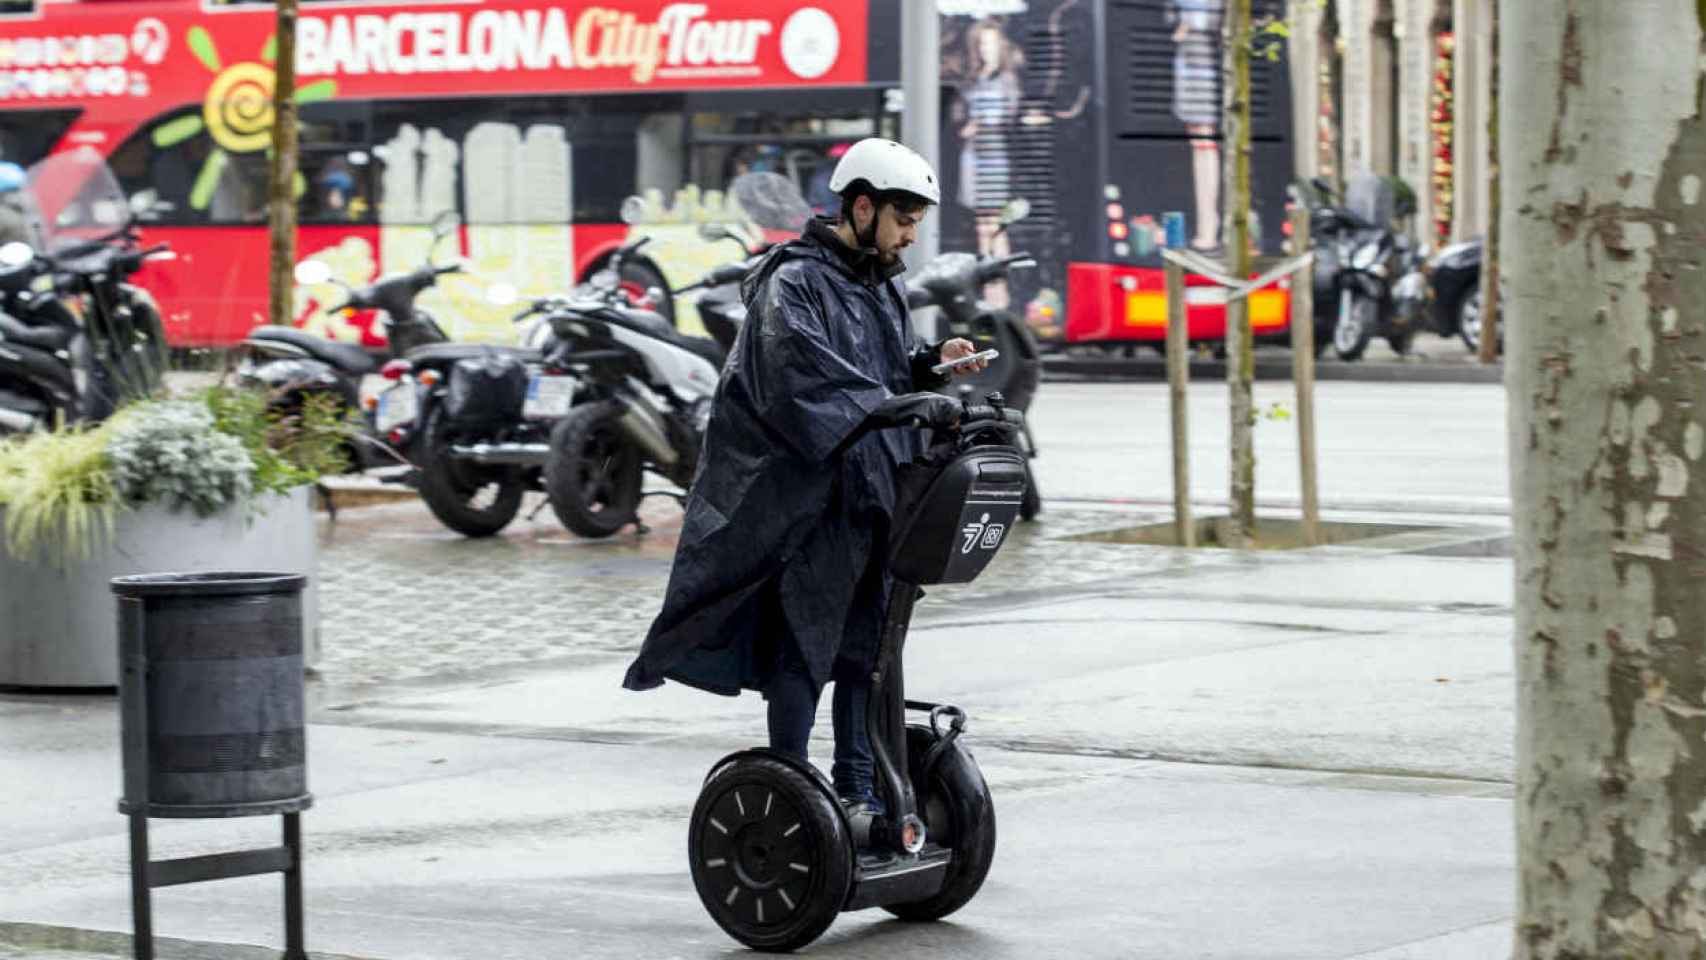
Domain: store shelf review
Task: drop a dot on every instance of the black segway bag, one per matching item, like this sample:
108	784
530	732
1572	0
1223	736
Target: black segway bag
953	513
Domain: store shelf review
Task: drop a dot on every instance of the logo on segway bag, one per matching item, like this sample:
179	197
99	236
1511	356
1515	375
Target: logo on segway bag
982	535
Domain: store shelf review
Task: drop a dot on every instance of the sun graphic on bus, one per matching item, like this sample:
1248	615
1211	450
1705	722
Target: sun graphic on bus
237	112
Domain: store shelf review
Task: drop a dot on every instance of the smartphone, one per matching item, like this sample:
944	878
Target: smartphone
966	361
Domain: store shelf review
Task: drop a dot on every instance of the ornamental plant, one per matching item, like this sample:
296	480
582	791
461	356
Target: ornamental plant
60	491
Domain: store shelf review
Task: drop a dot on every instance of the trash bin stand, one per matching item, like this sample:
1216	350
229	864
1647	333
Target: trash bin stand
146	874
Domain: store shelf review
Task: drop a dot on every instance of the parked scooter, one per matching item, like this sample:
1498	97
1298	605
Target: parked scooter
1455	273
644	404
76	338
1381	291
293	364
1369	258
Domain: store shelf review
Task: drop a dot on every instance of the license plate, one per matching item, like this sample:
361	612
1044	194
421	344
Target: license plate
1205	296
397	406
549	397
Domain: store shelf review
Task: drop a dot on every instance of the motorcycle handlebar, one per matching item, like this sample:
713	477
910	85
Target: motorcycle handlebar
991	269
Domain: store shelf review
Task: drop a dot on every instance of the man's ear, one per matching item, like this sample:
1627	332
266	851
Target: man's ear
864	210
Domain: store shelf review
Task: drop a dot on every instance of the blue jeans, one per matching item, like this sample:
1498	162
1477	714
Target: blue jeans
793	708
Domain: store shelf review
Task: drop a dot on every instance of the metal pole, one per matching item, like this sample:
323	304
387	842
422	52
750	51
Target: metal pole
293	949
1303	374
1178	379
920	119
134	736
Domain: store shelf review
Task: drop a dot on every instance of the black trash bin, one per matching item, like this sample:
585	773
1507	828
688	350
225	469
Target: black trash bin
212	714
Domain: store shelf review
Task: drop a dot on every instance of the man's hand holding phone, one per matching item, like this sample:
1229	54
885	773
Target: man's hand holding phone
961	356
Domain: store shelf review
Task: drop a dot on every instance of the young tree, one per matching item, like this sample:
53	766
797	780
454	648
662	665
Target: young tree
282	180
1236	37
1605	236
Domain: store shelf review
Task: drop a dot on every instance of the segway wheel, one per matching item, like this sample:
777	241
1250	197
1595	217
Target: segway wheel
770	854
958	814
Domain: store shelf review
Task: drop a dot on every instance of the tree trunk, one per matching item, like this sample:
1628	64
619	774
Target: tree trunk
1489	345
282	183
1606	371
1240	356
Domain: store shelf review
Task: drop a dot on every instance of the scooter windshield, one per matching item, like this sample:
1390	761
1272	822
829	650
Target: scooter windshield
72	198
771	201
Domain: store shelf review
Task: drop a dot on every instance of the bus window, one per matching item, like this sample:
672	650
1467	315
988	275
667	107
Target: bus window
197	182
801	146
336	162
27	135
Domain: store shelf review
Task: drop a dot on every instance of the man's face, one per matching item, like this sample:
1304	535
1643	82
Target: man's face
896	228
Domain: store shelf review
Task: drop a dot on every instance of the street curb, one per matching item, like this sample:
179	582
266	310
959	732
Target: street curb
1154	368
42	936
349	495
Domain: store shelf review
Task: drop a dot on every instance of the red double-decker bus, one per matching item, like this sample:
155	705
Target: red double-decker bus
535	120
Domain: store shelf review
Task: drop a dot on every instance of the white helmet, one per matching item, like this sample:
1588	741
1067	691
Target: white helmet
886	165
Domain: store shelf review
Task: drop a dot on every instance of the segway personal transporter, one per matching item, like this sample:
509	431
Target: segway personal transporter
774	856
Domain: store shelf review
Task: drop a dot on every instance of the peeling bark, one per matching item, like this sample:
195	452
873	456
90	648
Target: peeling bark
1606	349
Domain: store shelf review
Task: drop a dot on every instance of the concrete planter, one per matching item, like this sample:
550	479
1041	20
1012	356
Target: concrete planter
59	627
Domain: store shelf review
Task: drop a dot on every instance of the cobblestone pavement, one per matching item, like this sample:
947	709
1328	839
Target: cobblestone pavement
403	599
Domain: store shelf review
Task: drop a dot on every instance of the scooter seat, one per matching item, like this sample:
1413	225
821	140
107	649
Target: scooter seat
654	325
50	338
345	356
438	354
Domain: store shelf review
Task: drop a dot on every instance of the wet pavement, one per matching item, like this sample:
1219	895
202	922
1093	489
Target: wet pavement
1279	754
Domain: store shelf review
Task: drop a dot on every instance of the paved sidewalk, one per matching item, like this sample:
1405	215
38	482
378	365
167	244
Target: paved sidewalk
1300	755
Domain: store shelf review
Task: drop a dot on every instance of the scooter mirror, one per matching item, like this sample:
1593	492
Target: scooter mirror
312	272
143	202
1016	209
633	211
502	294
16	254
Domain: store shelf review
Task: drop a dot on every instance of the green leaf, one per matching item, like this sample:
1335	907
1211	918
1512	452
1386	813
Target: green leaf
318	90
207	180
269	53
201	44
173	132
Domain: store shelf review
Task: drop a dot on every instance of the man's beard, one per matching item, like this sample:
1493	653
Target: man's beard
867	237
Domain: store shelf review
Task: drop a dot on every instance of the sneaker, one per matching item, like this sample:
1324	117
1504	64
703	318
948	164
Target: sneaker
864	803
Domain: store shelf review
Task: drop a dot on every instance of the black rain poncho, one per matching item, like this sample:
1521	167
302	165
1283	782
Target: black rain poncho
789	514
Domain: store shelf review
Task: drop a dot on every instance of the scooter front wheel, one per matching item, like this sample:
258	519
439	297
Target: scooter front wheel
770	853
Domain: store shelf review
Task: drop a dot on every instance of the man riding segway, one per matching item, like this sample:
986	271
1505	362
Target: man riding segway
780	581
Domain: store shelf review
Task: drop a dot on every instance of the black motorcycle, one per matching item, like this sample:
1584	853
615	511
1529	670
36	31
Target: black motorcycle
293	364
77	339
1455	274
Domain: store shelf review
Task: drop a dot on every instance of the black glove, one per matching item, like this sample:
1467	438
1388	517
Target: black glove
918	409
